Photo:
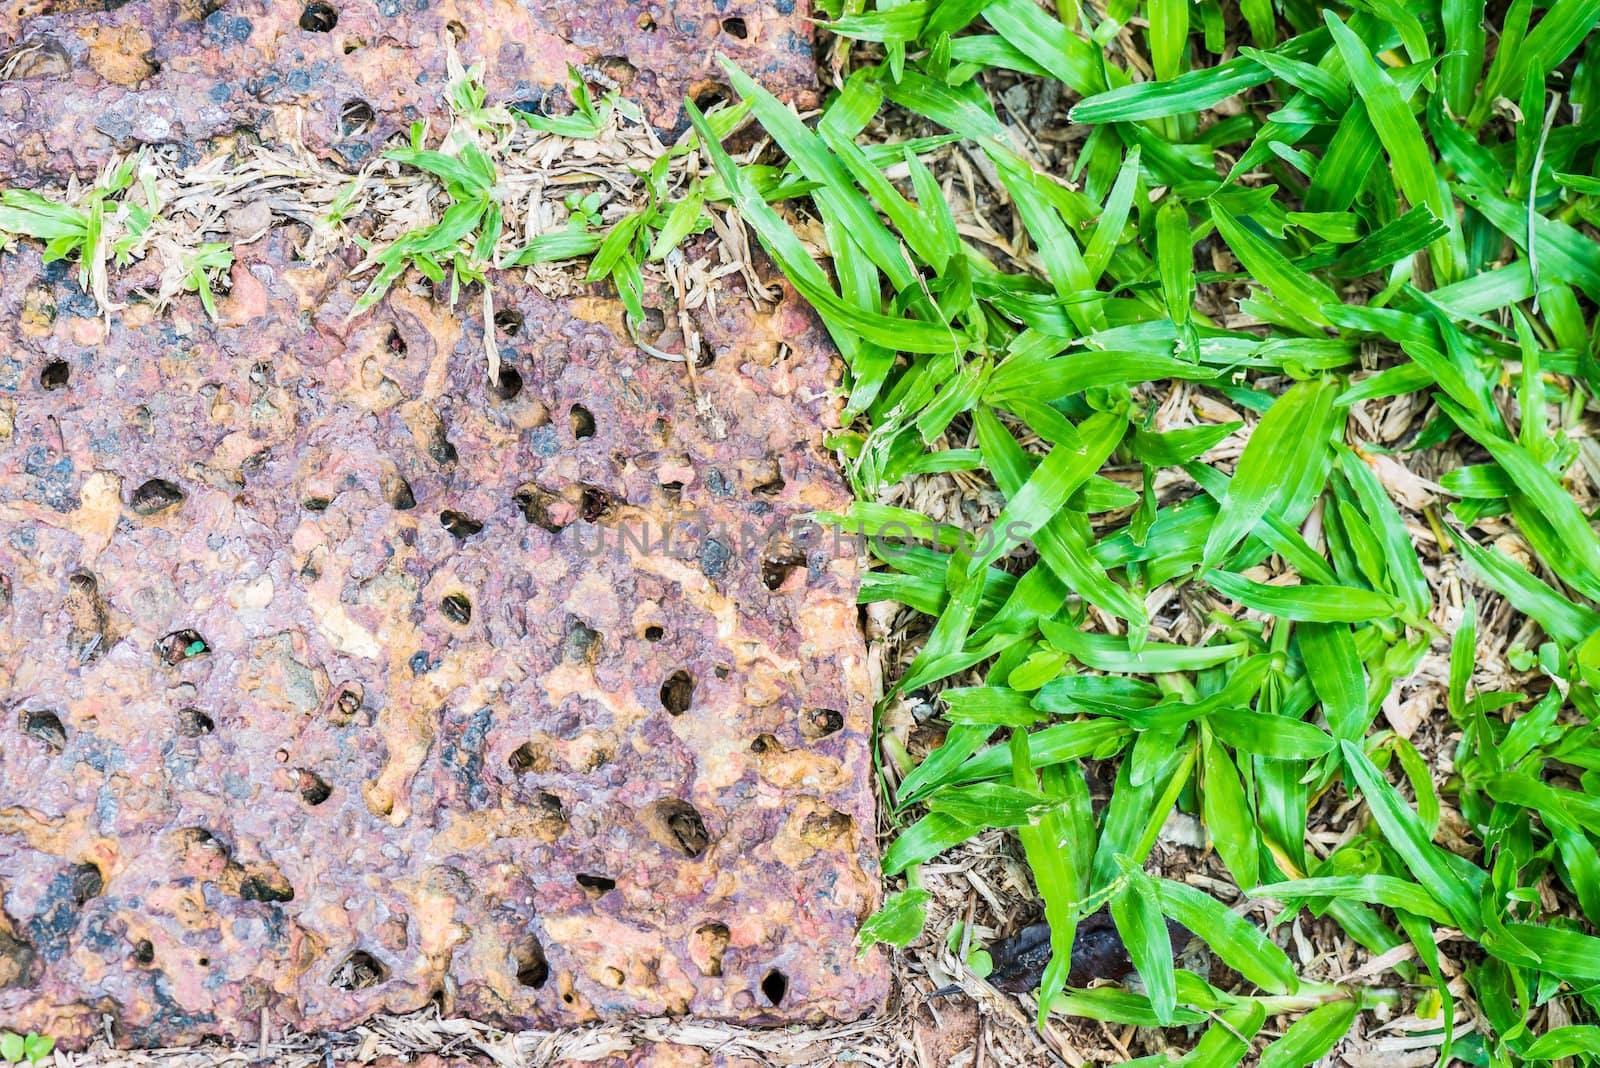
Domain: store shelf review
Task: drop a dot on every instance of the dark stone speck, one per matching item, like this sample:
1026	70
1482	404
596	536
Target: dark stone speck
714	557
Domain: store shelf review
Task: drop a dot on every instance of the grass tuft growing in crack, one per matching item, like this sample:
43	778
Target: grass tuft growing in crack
103	226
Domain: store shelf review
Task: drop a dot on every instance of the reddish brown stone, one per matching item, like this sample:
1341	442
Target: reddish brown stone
304	712
323	694
79	78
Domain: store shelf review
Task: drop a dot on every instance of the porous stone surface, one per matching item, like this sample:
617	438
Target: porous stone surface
335	679
82	78
338	681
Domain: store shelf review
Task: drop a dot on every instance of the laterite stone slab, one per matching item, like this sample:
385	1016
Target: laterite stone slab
334	680
333	685
81	78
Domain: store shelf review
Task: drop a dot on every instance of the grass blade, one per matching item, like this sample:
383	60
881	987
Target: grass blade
1299	292
1235	940
1144	933
1406	833
1297	427
1397	128
1310	1037
1226	812
1316	604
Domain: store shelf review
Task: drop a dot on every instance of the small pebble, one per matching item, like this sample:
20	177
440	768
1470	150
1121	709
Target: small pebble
248	220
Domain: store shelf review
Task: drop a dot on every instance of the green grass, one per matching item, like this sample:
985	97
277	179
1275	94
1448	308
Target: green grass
105	227
1374	194
1381	202
30	1048
80	230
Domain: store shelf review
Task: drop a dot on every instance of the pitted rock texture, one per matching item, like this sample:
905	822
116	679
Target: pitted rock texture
81	78
337	680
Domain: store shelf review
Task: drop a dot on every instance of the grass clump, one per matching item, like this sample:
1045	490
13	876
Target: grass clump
98	227
111	224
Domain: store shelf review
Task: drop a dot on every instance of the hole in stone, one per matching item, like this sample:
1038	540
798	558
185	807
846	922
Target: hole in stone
646	23
355	118
705	356
460	525
317	17
736	28
265	886
522	759
595	885
54	375
654	633
774	985
46	727
722	671
314	789
707	946
533	970
780	561
653	324
204	962
769	480
192	723
87	882
34	57
595	504
508	321
617	68
764	743
440	448
354	45
456	30
509	386
677	825
155	495
315	504
358	971
456	608
820	722
539	507
539	105
582	641
550	806
582	421
826	829
711	96
395	343
144	952
348	703
196	845
181	645
677	693
396	490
